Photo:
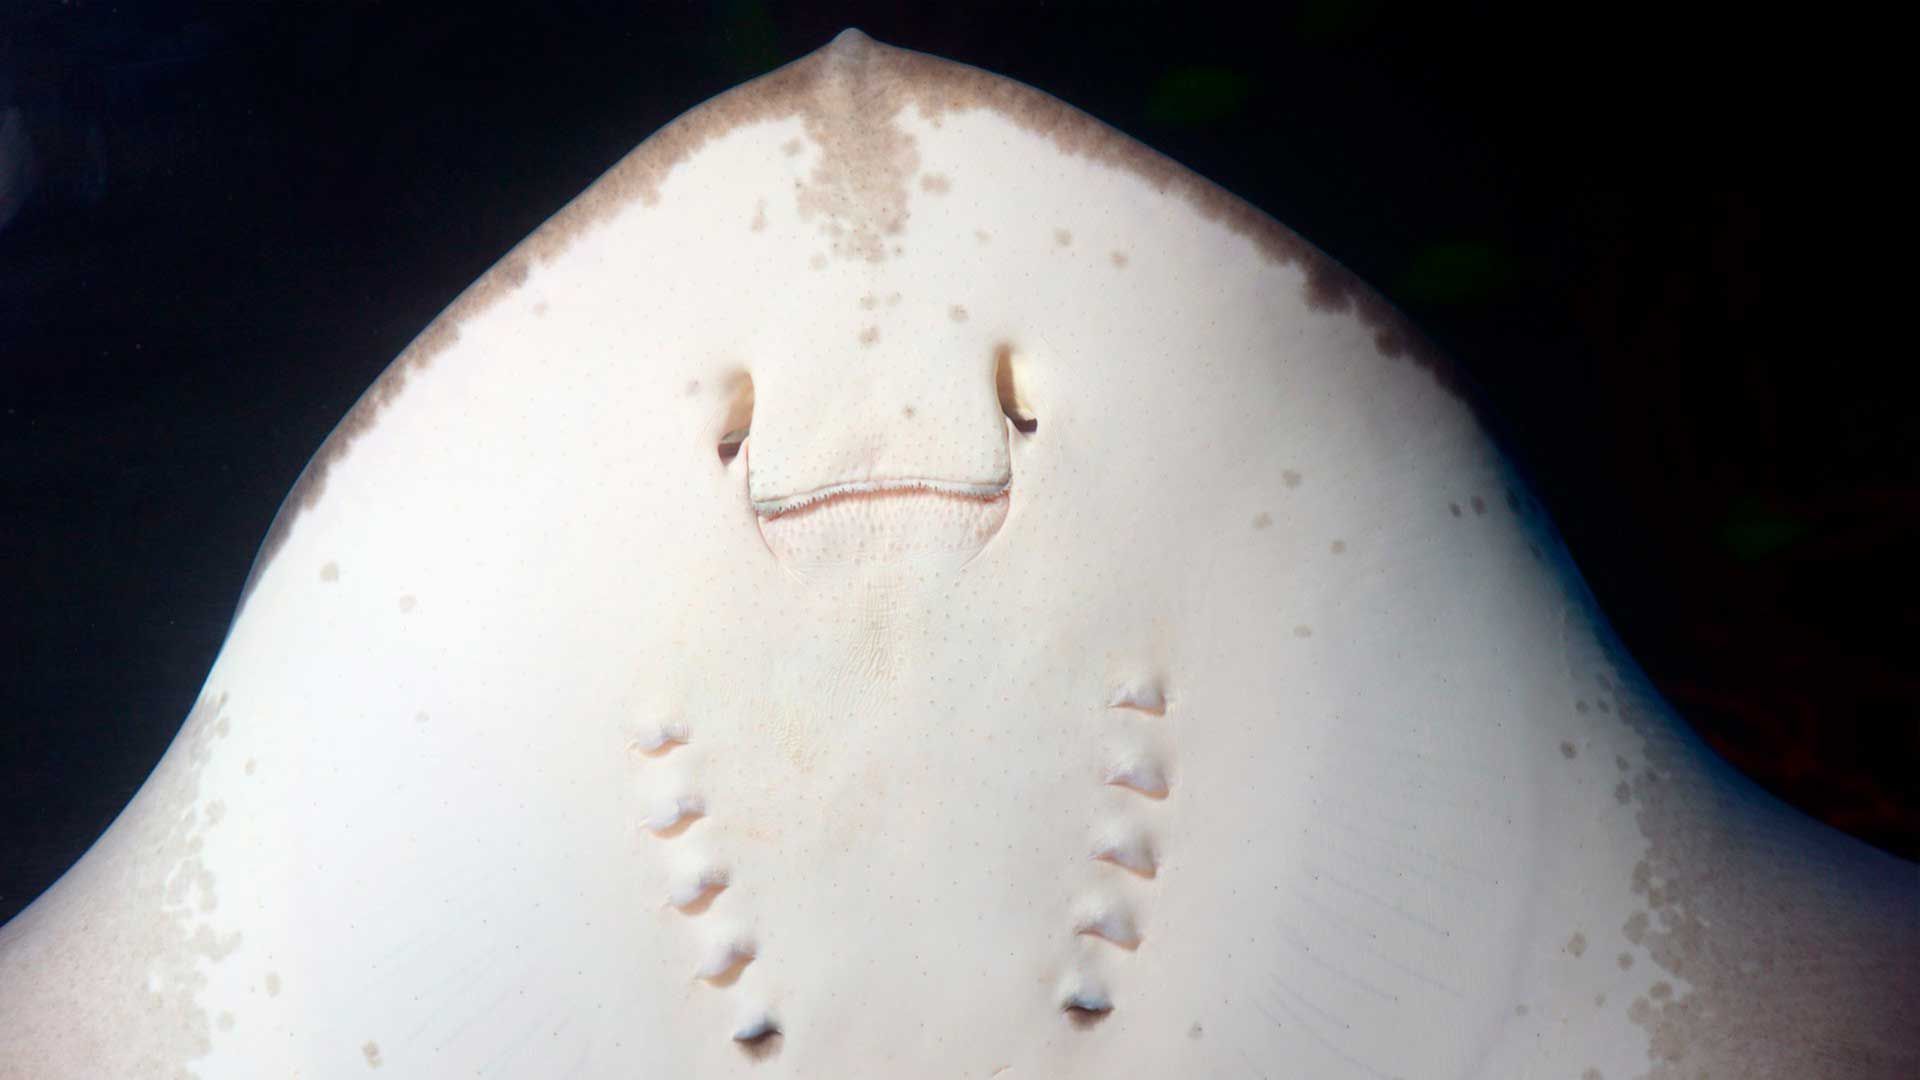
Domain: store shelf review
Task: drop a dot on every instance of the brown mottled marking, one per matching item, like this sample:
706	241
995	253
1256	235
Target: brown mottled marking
759	222
982	235
847	95
791	147
1661	990
1262	520
869	302
936	184
1622	793
1063	237
539	307
1454	508
1621	763
1290	478
958	313
1568	750
1592	1074
1303	631
869	335
330	572
1119	259
908	411
371	1052
1520	1010
1577	944
1338	547
1625	961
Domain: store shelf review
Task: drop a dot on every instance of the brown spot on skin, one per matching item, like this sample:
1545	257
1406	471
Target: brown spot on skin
1338	547
1290	478
1604	707
870	335
869	302
1303	631
407	602
273	984
1195	1031
982	235
936	184
1577	945
1063	237
1520	1010
1661	991
1625	961
250	766
693	387
371	1052
816	262
1262	520
1568	751
759	222
1636	927
1592	1074
1479	505
957	313
847	96
1599	1001
330	572
908	411
539	307
222	726
790	147
1119	259
1454	508
1622	793
893	299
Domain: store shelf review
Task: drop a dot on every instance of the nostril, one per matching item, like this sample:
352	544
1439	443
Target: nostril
739	418
1004	382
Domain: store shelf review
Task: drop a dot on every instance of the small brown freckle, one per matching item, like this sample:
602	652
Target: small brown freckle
1568	751
273	984
371	1052
1338	546
790	147
1454	508
693	387
1640	1011
539	307
1479	505
982	235
908	411
1303	631
1661	991
892	299
1062	237
221	728
957	313
330	572
817	262
1119	259
870	335
407	602
1636	927
250	766
936	183
1519	1010
1262	520
759	223
1290	478
1195	1031
1599	1001
1577	945
1592	1074
1625	961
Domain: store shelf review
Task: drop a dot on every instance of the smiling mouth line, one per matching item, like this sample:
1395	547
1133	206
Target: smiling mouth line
786	504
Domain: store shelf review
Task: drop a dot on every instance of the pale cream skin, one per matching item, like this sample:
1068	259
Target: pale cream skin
1112	650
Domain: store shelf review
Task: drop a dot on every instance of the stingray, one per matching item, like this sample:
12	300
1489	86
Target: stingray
899	579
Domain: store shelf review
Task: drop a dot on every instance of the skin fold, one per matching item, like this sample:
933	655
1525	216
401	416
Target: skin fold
898	579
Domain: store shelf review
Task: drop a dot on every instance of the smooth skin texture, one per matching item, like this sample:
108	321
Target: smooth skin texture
900	580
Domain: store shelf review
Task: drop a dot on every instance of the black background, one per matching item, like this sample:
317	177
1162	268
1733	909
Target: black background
240	213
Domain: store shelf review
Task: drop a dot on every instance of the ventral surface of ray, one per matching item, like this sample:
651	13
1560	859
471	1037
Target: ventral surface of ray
898	579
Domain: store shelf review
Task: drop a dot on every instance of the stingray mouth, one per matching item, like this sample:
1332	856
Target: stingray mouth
883	521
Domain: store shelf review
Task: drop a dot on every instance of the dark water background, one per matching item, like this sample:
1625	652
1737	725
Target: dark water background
236	215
